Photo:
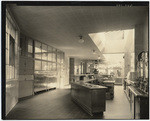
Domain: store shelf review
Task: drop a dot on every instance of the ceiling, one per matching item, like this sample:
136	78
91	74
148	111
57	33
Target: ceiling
60	26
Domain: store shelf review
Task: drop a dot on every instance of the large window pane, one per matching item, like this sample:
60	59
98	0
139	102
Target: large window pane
50	56
50	49
12	51
44	48
58	56
7	72
53	66
37	50
7	56
49	66
54	57
37	65
44	56
12	72
61	57
44	52
44	65
7	40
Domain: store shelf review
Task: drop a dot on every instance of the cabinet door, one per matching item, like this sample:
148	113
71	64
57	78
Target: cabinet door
137	108
132	106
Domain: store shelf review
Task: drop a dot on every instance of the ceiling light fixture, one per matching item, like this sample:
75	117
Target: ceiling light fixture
81	40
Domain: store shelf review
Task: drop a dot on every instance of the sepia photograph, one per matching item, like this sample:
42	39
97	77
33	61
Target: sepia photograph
75	60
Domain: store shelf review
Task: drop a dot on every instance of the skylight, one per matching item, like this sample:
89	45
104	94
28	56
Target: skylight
114	41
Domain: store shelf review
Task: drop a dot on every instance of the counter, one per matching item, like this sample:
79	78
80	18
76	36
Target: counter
110	89
139	103
92	98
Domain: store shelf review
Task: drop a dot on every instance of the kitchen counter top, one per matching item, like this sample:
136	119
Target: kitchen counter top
88	85
109	81
137	92
90	97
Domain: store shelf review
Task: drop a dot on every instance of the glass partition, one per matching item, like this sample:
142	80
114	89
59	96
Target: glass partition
30	48
38	50
46	74
44	52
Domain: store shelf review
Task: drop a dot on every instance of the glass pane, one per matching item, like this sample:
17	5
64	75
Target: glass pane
12	51
38	55
37	47
61	57
44	56
7	72
49	66
58	57
37	50
12	72
7	56
49	56
44	65
44	48
54	57
44	52
30	46
37	65
7	40
54	66
54	50
50	49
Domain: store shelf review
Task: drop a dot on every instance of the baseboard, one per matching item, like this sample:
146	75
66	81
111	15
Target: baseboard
24	98
42	91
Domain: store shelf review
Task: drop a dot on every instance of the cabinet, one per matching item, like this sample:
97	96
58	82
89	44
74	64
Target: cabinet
139	103
92	98
110	89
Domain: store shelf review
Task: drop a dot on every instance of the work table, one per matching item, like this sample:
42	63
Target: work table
92	98
88	85
109	81
137	92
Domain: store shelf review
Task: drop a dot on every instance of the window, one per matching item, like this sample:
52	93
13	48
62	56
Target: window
12	57
12	51
30	48
44	52
54	66
44	65
49	66
50	49
54	55
37	65
38	50
7	49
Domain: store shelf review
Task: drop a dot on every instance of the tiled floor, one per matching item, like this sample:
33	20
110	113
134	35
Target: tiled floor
57	104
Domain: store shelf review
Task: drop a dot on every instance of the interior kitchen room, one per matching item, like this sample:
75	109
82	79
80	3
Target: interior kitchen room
75	60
